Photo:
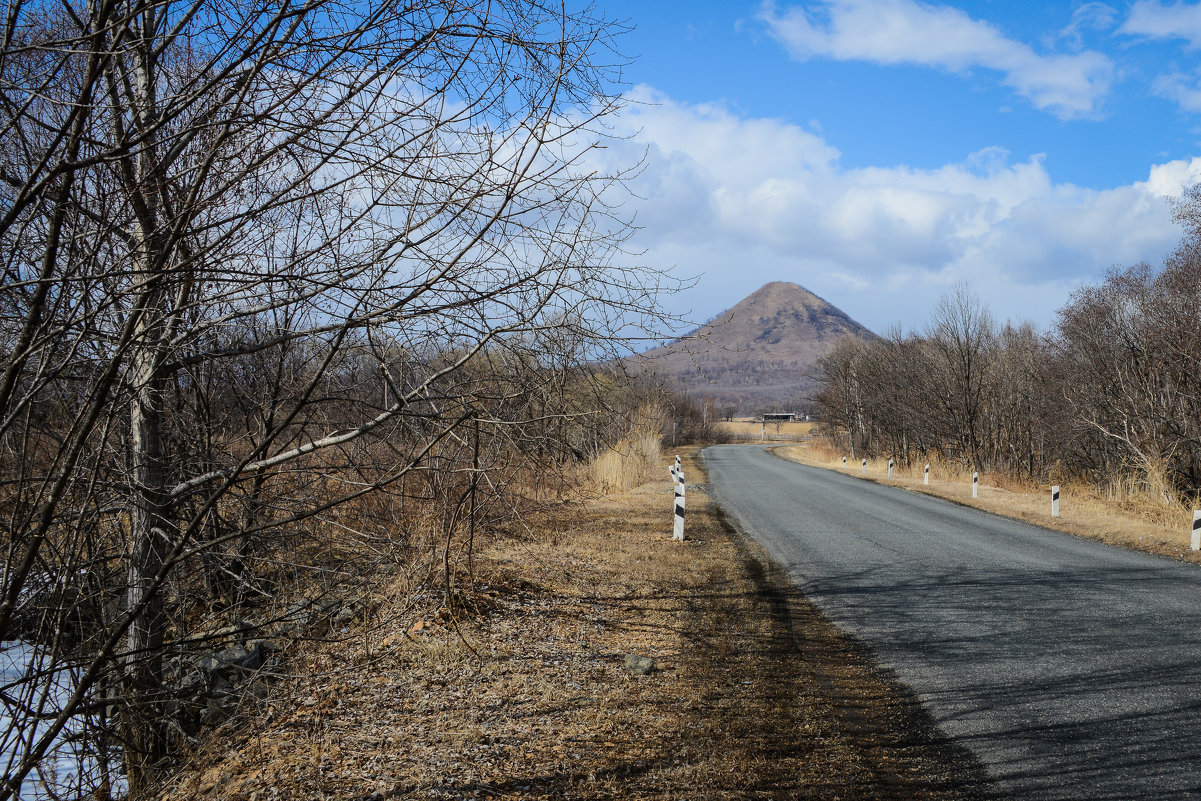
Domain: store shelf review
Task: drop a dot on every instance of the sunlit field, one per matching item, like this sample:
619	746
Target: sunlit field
746	428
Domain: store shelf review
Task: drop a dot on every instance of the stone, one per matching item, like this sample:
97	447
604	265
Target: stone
639	665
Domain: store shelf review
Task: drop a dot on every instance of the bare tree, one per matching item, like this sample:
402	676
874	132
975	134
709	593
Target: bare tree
842	398
1128	351
962	335
260	261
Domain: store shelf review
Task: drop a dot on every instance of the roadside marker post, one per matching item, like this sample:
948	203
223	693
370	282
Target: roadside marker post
890	467
1055	501
677	532
844	463
1196	530
927	474
864	467
975	485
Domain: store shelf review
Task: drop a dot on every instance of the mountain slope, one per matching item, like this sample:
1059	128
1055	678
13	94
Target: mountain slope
757	355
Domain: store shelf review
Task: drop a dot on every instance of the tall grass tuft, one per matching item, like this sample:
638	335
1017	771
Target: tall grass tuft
1147	493
636	458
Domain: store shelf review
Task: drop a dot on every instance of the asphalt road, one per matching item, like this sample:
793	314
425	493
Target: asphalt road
1072	669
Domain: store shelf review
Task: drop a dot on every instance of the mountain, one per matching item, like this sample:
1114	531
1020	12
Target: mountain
759	354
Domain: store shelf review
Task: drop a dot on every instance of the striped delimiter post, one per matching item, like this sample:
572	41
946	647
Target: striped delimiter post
844	463
1196	530
890	467
677	532
927	473
863	466
975	485
1055	501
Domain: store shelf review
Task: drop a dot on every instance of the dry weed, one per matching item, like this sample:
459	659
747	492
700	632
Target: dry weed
752	430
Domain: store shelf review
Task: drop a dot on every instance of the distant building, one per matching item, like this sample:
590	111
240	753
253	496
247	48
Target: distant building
779	417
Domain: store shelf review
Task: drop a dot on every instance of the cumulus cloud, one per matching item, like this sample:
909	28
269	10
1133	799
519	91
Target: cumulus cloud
1153	19
907	32
746	201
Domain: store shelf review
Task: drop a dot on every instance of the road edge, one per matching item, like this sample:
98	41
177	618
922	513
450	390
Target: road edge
909	755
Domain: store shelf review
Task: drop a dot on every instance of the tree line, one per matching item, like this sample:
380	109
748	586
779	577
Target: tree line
1112	389
289	291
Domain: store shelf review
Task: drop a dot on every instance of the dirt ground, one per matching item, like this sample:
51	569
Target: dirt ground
752	694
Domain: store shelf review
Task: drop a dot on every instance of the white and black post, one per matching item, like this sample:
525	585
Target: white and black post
890	467
844	463
975	485
864	467
1055	501
678	528
927	474
1196	530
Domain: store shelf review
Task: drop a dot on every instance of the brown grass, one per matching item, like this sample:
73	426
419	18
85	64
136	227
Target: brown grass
533	701
635	459
1128	513
631	462
772	432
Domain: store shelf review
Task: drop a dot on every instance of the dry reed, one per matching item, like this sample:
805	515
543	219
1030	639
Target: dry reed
636	458
631	462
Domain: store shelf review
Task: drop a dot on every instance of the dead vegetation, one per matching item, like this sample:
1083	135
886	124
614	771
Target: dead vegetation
522	690
753	430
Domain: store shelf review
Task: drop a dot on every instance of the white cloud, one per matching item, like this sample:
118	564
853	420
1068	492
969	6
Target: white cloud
1180	87
907	32
1089	17
746	201
1155	20
1152	19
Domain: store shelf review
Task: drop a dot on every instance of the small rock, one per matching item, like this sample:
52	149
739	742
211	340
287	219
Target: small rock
233	656
192	682
639	665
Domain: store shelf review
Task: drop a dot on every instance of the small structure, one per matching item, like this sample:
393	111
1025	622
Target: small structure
779	417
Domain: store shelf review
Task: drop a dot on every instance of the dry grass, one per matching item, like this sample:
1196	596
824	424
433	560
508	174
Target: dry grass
533	700
1128	513
633	461
772	432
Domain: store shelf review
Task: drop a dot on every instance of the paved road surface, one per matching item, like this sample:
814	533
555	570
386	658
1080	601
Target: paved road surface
1072	669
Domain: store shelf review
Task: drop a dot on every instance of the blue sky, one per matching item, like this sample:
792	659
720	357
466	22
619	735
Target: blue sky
880	152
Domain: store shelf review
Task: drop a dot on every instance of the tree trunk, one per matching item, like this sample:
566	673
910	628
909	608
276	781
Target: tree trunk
144	720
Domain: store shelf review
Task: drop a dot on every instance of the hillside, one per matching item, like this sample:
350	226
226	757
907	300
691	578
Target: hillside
758	354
